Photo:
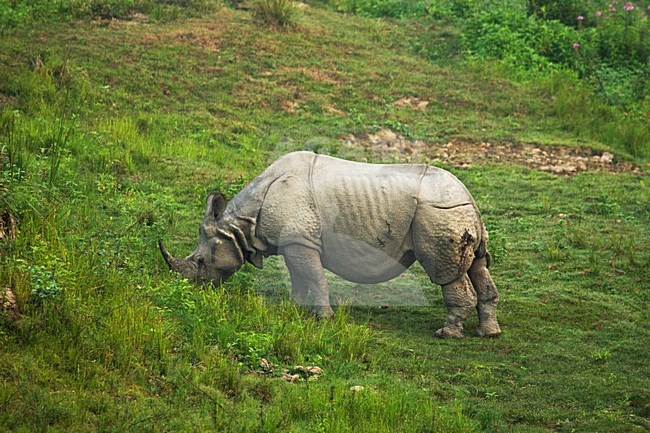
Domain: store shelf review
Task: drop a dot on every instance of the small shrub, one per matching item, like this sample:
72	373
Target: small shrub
607	48
44	284
508	35
617	85
408	8
383	8
275	12
620	38
250	346
564	11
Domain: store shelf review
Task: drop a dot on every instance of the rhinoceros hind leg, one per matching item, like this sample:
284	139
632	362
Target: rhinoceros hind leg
307	276
460	299
488	296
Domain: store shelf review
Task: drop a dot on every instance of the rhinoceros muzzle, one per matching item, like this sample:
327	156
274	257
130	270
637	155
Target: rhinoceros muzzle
185	267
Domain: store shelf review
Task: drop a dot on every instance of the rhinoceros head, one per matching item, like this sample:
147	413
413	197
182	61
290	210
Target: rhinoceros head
216	257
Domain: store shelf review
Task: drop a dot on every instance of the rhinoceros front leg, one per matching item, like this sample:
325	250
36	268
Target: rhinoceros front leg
307	276
488	297
460	298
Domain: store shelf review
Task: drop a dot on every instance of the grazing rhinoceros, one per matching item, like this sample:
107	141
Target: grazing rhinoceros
364	222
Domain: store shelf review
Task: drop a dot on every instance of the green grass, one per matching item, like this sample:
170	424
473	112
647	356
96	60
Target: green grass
112	133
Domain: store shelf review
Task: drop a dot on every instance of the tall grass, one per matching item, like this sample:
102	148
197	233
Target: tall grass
275	12
590	117
93	319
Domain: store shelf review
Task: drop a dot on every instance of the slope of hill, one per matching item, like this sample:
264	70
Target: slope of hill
113	132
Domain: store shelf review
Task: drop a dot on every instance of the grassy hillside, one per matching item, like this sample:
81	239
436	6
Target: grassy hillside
112	132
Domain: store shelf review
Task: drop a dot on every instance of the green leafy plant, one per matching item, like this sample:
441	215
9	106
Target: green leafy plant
429	9
564	11
251	346
44	284
384	8
608	53
520	40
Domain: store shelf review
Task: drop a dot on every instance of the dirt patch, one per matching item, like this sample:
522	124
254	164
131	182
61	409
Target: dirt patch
323	76
205	39
326	76
559	160
412	102
7	99
134	20
8	305
288	106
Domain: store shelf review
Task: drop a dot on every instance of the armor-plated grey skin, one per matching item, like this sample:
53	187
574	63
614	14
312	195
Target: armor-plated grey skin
365	222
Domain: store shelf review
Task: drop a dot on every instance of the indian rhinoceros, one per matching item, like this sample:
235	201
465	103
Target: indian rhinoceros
365	222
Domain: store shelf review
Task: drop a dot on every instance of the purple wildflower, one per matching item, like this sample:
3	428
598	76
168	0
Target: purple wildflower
599	13
628	6
576	45
580	18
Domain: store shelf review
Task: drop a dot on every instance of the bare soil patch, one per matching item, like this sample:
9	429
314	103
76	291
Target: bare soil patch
327	76
7	99
134	20
560	160
8	305
206	39
412	102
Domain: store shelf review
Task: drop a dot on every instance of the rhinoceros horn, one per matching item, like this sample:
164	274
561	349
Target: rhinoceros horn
185	267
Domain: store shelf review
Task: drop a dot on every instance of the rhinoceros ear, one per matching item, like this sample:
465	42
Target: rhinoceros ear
215	205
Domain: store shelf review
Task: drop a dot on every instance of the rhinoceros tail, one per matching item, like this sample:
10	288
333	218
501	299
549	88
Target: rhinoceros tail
482	251
488	259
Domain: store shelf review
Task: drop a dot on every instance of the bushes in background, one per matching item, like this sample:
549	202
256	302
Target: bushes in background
436	9
607	46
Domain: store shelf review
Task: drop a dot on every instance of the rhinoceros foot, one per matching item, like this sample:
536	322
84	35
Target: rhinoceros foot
323	312
450	332
488	330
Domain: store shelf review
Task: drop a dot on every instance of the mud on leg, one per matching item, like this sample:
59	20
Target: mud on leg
460	298
487	295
